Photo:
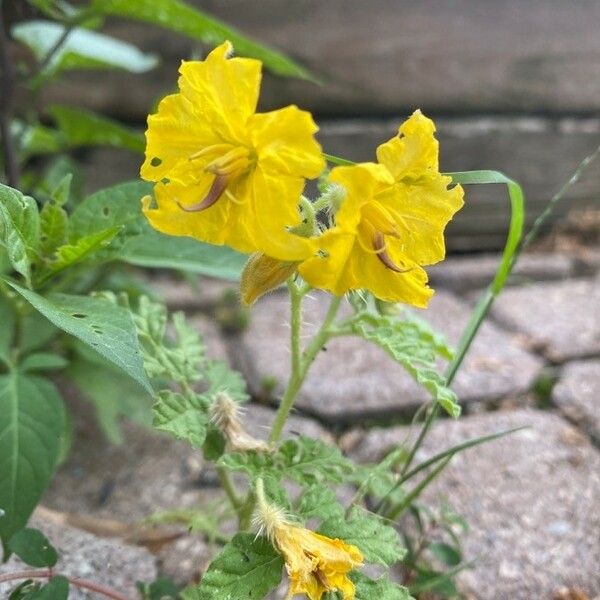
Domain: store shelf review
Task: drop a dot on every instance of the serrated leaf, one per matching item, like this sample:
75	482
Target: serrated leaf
114	395
33	548
381	588
380	543
413	346
247	567
180	359
53	228
19	229
304	460
84	128
184	417
191	21
319	501
43	361
69	255
106	328
82	49
32	421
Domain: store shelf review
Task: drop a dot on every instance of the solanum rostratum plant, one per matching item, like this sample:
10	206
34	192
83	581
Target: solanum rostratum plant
222	181
226	174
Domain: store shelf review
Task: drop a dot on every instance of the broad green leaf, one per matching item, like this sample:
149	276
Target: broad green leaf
379	589
43	361
114	395
36	332
140	245
379	543
82	49
153	249
183	416
304	460
32	421
8	319
56	589
449	555
106	328
83	128
412	345
247	567
53	228
214	444
19	229
35	139
189	20
319	501
161	589
33	548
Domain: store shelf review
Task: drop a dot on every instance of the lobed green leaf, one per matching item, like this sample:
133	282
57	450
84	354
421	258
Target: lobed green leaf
381	588
414	346
247	567
380	543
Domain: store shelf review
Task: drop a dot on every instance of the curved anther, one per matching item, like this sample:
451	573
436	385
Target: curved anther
383	256
214	193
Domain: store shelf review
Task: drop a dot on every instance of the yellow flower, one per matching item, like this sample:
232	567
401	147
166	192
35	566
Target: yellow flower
225	174
391	222
315	563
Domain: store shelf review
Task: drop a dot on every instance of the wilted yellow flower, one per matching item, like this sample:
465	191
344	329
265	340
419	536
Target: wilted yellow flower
315	564
391	222
225	174
263	274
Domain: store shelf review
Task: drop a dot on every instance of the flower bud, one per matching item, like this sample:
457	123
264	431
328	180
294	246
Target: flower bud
263	274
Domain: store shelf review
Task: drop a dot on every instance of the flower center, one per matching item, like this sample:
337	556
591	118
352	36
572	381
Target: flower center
226	162
379	222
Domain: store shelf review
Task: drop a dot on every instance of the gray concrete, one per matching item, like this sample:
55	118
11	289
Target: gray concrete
561	319
577	394
530	499
354	379
109	562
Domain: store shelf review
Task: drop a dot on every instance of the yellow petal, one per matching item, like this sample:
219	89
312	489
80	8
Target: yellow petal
284	142
361	182
414	151
217	97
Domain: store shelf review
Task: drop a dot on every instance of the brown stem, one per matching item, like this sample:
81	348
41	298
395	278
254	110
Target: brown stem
83	584
7	89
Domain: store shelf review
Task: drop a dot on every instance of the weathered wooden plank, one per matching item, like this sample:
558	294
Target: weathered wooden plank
388	56
540	153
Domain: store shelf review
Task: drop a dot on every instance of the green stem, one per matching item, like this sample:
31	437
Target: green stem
300	364
229	488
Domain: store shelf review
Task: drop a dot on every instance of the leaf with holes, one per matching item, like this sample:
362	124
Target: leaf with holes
380	543
106	328
32	421
247	567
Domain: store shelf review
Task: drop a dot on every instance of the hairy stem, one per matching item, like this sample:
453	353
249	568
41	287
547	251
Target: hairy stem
82	584
300	364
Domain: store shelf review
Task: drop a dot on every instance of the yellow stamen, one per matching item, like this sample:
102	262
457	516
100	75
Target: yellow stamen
215	148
